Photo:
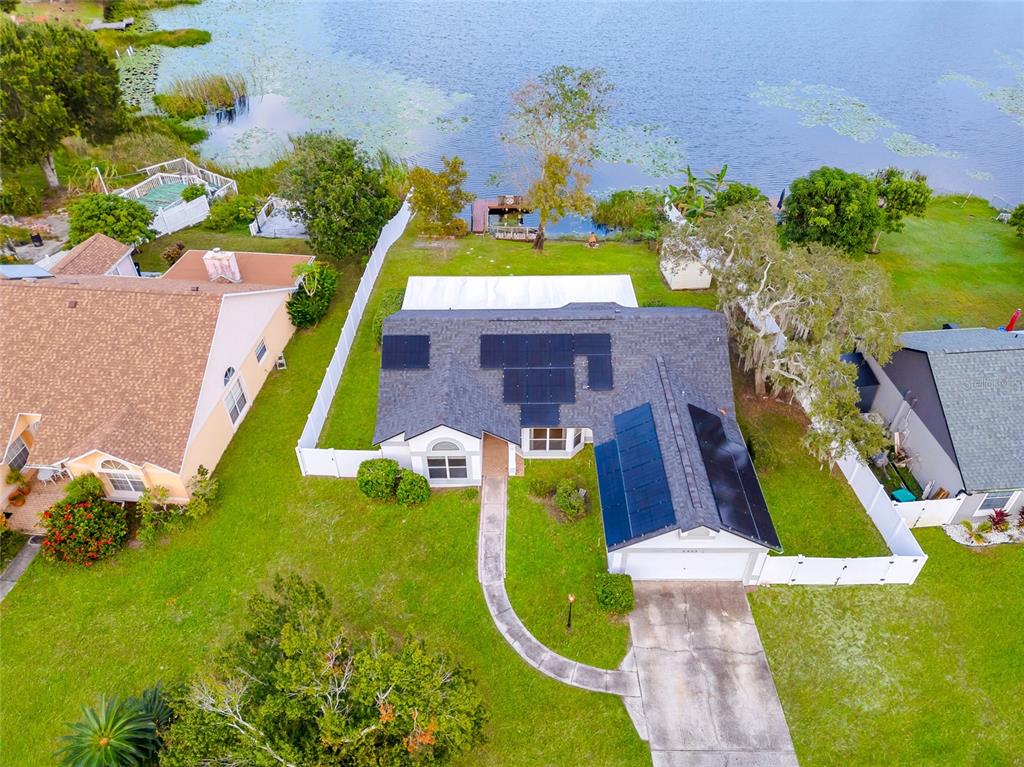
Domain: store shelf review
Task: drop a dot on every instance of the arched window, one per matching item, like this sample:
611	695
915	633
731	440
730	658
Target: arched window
228	374
444	461
121	477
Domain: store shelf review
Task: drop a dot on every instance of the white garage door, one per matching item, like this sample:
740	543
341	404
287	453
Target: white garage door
687	566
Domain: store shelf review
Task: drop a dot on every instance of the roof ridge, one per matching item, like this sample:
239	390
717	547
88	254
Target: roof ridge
677	433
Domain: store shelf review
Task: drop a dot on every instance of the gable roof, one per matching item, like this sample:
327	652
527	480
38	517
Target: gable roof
662	358
978	379
95	255
110	363
266	269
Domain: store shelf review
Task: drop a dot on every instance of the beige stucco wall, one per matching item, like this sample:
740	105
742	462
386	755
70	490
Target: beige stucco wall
20	429
152	476
213	436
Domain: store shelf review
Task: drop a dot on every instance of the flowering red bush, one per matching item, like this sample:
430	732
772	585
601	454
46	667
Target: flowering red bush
84	532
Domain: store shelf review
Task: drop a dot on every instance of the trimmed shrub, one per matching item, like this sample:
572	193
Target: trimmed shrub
87	487
193	192
413	488
172	253
310	302
378	478
568	499
390	302
84	532
614	592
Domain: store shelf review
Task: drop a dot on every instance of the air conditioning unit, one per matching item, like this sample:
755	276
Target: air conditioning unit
280	364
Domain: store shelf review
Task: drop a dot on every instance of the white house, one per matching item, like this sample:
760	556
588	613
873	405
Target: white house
461	388
956	398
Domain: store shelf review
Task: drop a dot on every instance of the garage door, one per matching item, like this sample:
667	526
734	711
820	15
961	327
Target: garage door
687	566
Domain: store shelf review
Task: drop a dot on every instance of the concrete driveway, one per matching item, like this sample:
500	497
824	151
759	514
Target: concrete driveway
708	695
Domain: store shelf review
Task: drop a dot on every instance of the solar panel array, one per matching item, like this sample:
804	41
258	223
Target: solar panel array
741	504
538	369
635	496
405	352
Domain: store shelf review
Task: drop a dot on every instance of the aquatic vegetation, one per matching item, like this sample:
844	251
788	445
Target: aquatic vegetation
910	146
646	146
825	105
980	175
199	95
1009	99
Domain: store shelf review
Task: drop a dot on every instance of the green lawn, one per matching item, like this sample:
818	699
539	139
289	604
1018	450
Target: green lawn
550	558
196	238
69	635
814	510
956	264
350	423
11	542
927	674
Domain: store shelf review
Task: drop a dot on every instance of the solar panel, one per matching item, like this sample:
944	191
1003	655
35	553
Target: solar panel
543	414
599	372
491	351
738	496
536	385
592	343
613	497
405	352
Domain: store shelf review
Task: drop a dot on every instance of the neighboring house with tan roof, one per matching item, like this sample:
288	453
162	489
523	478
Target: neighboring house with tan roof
98	255
139	380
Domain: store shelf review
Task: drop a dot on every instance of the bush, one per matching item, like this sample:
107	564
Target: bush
390	302
115	216
1000	520
568	499
1017	219
378	478
637	213
614	592
233	213
203	488
308	305
737	193
172	253
84	532
87	487
18	200
116	733
540	486
413	488
193	192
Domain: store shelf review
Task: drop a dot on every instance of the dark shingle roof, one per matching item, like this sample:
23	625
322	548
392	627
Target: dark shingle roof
667	357
979	377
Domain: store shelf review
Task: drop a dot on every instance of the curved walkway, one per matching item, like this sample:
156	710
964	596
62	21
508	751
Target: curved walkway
491	573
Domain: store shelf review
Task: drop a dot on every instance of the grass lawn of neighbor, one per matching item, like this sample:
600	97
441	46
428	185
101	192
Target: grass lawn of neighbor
928	674
956	264
155	613
550	557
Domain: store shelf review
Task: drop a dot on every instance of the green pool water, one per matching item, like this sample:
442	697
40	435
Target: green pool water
160	197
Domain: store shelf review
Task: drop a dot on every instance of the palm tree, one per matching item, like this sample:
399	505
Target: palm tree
115	734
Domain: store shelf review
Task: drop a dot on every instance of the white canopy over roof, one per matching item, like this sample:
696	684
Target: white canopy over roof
529	292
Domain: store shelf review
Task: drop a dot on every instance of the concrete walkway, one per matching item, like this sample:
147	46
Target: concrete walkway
491	573
17	567
708	695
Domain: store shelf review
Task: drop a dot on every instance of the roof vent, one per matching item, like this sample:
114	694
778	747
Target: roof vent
222	266
194	288
72	304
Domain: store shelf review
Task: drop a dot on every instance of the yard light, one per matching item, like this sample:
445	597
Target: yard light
568	623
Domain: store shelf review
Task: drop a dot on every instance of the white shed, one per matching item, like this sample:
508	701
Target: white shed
518	292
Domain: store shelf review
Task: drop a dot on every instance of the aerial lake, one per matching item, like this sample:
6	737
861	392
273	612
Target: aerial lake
772	89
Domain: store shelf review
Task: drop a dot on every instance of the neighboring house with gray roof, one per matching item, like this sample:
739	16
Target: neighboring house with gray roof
956	397
463	389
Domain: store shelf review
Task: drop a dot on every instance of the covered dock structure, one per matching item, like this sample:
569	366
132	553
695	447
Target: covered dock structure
502	205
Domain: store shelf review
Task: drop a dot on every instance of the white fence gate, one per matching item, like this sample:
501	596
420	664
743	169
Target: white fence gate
344	463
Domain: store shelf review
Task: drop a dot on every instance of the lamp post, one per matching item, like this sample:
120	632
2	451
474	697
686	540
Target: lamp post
568	623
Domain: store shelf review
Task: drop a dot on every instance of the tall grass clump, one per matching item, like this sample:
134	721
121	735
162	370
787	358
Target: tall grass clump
196	96
394	173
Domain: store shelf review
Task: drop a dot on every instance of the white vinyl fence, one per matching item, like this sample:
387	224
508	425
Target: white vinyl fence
327	461
929	513
902	566
181	215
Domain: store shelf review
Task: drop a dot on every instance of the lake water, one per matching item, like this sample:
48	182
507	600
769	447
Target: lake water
772	89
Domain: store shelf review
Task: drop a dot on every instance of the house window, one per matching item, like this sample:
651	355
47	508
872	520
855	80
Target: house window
121	478
17	454
228	375
445	463
996	500
578	439
261	350
235	401
547	439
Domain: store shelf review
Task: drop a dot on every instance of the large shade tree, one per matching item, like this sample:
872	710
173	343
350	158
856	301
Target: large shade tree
554	122
340	194
792	312
56	82
900	195
833	207
440	196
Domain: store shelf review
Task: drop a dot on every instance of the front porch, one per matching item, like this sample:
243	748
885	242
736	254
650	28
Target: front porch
27	517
